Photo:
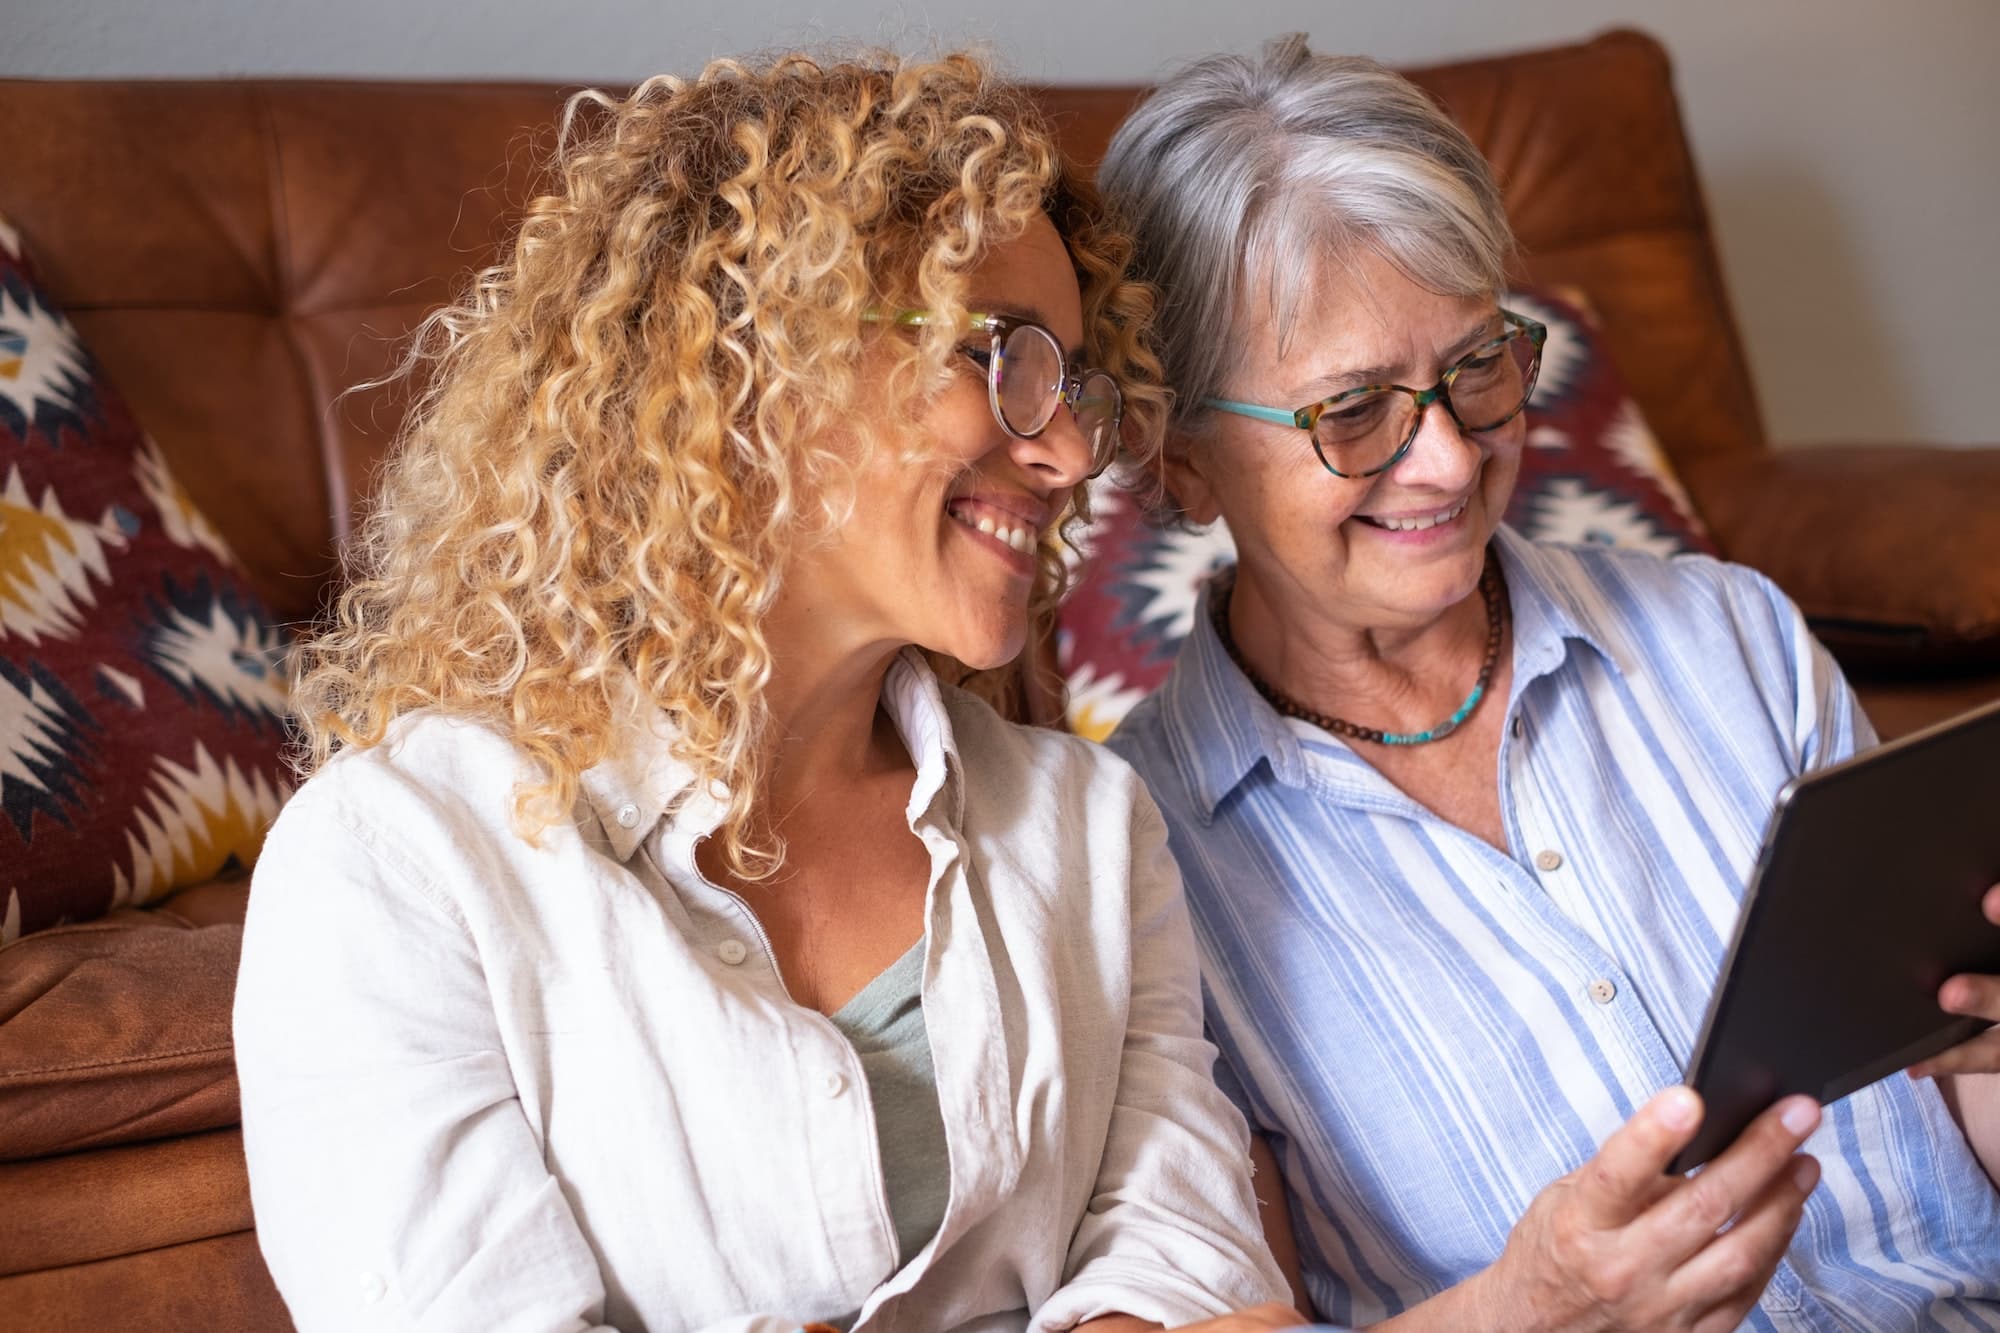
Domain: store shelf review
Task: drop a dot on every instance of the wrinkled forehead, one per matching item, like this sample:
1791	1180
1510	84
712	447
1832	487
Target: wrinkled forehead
1347	306
1304	258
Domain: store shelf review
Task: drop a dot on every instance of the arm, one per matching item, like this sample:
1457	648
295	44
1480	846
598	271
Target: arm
1274	1209
396	1182
1619	1245
1171	1232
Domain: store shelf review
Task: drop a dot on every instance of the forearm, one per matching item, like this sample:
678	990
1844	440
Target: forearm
1470	1307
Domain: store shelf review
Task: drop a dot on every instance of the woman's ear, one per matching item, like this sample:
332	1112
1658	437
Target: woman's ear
1183	468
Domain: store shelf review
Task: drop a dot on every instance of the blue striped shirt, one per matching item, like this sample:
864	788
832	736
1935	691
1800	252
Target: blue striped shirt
1430	1030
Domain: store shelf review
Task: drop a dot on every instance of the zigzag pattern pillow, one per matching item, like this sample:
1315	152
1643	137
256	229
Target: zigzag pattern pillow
1591	472
141	706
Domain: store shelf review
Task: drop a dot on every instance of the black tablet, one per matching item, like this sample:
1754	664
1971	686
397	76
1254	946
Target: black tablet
1865	898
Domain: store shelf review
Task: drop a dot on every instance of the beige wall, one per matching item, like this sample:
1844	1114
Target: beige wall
1851	148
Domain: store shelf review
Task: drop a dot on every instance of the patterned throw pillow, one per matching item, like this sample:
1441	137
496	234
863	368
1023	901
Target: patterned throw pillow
1591	472
141	707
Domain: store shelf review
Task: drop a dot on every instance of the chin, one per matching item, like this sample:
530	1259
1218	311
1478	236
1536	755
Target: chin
988	656
984	647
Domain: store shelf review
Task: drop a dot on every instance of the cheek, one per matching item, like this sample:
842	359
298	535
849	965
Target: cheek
1503	467
1297	513
959	427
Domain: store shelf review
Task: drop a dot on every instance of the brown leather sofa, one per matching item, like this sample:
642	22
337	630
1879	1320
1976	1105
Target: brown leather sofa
237	253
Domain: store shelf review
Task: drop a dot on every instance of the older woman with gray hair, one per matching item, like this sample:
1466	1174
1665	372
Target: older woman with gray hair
1466	819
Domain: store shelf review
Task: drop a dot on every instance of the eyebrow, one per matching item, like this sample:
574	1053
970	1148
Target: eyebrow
1339	381
1025	313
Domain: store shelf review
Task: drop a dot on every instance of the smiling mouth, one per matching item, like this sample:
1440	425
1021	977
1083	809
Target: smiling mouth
1418	523
1004	528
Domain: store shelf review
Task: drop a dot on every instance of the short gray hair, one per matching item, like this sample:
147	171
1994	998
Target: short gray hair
1242	167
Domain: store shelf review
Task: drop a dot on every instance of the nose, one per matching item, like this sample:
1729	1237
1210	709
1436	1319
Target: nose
1058	457
1441	455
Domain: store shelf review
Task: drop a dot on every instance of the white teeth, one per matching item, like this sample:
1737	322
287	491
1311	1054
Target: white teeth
1420	524
1021	539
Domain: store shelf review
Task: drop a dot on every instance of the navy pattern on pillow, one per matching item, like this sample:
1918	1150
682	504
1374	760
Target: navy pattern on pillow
141	705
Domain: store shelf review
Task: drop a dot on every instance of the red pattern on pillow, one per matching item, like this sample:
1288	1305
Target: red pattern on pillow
141	704
1591	471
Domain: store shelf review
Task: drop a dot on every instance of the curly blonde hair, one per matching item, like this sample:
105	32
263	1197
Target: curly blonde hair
621	434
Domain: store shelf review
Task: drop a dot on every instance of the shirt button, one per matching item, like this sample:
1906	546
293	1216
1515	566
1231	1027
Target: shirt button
1549	859
1603	991
628	816
373	1288
1520	727
731	952
835	1085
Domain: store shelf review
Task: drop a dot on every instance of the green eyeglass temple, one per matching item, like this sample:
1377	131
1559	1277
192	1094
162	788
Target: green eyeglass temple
1305	418
920	318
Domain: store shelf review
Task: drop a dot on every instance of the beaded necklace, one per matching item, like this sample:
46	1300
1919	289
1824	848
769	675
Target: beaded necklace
1496	622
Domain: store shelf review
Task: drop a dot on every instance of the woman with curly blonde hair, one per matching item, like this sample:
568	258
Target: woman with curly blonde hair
659	942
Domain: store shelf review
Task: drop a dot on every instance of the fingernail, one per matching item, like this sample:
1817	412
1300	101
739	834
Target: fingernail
1678	1108
1800	1116
1805	1174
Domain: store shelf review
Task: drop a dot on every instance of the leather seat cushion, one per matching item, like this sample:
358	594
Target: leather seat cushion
118	1030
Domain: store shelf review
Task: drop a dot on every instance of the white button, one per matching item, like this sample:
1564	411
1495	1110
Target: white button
1549	859
1520	727
628	816
1602	991
835	1084
731	952
373	1288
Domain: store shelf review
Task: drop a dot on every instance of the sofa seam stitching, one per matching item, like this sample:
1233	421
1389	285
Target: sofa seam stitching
20	1075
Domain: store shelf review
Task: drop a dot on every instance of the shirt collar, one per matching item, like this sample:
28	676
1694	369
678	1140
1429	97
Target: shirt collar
915	699
1219	727
643	781
1550	609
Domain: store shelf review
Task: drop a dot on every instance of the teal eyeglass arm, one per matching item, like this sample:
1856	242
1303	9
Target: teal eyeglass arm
1279	415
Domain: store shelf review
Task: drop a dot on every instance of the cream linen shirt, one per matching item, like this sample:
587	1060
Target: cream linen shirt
488	1086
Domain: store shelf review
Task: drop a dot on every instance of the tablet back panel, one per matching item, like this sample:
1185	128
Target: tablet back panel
1865	899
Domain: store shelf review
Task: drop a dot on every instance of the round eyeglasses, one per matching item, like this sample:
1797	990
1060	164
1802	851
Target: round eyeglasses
1028	377
1366	430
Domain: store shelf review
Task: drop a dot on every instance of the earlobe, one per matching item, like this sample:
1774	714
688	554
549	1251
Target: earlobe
1186	481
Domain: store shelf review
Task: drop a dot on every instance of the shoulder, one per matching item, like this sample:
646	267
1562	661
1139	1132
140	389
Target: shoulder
1141	740
1643	596
434	758
1063	819
1716	641
1639	573
435	790
995	751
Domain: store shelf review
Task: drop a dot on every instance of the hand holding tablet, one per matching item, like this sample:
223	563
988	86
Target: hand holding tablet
1869	908
1973	997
